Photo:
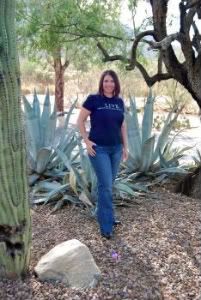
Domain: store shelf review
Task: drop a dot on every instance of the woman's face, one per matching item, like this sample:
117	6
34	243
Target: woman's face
108	85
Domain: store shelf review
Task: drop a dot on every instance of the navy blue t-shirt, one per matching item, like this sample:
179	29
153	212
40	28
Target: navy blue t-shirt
107	115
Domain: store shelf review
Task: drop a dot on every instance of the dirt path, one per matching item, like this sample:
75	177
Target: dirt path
159	245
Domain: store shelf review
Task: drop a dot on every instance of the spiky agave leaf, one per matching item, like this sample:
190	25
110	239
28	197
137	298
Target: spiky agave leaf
83	197
147	121
85	163
169	144
73	181
36	105
60	190
134	137
31	129
124	188
40	133
67	121
147	154
66	146
163	137
151	152
42	159
79	177
51	128
45	117
173	171
33	178
46	186
197	158
164	163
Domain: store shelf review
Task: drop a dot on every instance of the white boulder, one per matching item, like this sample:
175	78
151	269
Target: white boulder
71	263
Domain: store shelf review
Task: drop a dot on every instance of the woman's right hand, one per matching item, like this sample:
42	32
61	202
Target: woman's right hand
90	148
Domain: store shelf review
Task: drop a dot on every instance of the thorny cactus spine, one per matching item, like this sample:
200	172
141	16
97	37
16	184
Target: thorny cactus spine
14	206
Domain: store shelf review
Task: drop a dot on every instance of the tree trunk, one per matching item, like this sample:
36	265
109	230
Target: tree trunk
196	187
59	80
191	184
187	73
14	207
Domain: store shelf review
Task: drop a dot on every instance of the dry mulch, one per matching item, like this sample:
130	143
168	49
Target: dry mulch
158	247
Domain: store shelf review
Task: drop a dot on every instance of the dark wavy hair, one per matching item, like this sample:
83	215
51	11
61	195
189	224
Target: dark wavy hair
114	76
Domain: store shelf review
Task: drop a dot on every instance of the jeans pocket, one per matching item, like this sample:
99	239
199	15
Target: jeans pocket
100	149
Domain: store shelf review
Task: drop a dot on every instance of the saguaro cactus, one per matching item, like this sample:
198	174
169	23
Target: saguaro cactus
14	206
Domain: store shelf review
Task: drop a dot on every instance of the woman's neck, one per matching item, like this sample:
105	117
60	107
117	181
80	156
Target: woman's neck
108	95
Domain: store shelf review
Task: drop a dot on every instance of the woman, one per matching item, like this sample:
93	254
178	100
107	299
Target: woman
106	143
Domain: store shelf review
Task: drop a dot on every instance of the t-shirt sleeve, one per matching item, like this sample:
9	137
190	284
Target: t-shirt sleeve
89	103
123	105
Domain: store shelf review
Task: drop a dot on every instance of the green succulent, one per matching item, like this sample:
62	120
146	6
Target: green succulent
149	154
41	140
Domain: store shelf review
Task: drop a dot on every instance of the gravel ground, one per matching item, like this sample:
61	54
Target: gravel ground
158	246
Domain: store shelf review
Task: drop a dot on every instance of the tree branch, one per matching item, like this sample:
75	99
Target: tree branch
166	42
186	19
160	62
134	47
102	34
196	38
108	57
151	80
189	17
192	3
66	64
182	16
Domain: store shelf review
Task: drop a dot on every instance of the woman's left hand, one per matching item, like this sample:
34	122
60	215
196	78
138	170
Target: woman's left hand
125	154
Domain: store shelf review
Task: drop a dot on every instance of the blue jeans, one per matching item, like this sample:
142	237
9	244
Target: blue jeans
106	164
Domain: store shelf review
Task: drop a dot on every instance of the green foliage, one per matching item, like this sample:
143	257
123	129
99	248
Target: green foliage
181	123
178	95
148	154
158	122
175	96
82	179
68	25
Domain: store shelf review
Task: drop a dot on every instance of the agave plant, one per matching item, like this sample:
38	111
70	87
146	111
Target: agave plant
147	153
40	129
84	181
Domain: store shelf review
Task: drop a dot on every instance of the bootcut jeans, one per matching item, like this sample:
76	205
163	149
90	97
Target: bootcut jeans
106	164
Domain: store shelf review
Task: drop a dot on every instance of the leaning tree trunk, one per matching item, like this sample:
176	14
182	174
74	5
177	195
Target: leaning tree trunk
59	80
14	206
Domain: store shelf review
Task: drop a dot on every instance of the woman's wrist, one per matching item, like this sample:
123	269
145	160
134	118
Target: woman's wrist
86	139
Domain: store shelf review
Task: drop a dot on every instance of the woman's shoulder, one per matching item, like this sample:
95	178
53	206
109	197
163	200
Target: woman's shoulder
93	96
120	102
120	99
91	102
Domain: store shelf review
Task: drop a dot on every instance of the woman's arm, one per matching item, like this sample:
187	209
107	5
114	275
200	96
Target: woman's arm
83	115
124	140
